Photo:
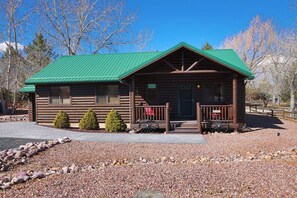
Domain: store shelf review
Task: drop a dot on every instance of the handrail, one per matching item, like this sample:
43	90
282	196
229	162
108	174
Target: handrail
154	112
151	106
150	112
216	105
217	112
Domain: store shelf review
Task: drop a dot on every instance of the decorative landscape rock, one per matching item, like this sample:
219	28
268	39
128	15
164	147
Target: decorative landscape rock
65	169
14	118
149	194
18	156
38	175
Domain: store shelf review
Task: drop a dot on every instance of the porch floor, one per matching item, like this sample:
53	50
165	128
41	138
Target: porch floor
183	126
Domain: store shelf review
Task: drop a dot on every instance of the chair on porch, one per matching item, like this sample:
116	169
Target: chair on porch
149	124
149	113
215	114
217	121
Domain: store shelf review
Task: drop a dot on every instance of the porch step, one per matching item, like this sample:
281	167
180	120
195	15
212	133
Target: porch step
188	125
185	130
184	124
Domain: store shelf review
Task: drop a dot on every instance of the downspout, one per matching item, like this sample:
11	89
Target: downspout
130	110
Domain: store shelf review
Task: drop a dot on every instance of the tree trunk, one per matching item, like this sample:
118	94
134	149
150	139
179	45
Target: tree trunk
292	98
274	98
3	107
14	103
7	79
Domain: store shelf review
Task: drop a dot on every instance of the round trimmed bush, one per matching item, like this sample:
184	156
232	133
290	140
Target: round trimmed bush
62	120
89	121
114	122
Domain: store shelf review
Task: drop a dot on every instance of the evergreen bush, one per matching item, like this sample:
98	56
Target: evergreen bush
89	121
61	120
114	122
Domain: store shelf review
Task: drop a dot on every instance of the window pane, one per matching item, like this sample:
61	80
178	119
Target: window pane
101	93
54	95
65	94
113	94
218	92
55	100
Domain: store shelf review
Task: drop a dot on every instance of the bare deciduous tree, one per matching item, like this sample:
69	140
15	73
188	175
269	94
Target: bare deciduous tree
74	25
253	44
14	18
282	64
143	39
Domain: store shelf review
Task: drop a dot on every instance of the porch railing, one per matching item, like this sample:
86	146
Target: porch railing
217	112
154	112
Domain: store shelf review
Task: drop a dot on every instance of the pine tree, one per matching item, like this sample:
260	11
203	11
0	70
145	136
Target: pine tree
39	53
207	46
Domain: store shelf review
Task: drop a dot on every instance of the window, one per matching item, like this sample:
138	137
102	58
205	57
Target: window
59	95
213	92
152	96
218	93
107	94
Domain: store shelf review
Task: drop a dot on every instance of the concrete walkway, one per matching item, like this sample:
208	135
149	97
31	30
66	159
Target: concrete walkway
30	130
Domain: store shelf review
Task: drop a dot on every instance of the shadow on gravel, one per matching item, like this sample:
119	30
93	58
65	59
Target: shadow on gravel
262	122
7	143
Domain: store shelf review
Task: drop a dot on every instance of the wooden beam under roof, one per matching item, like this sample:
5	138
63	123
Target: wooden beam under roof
170	65
185	72
194	64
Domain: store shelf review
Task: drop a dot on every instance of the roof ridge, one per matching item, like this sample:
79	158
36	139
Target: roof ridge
111	53
219	49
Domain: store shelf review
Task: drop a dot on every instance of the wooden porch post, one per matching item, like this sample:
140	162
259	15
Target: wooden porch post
234	98
167	118
199	117
132	95
30	107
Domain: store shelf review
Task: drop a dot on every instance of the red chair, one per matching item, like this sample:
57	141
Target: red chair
149	112
215	115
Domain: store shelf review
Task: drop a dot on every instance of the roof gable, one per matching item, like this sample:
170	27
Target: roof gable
114	67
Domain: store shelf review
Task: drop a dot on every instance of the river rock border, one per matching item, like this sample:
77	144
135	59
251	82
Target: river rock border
14	118
19	156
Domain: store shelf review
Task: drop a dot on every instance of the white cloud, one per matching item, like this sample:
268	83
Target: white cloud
3	46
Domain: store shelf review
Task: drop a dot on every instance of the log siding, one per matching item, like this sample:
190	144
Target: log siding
83	97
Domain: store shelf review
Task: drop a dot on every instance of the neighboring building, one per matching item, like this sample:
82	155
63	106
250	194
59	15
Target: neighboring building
191	81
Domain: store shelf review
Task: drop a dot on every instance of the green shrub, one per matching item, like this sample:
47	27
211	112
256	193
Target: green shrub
89	121
114	122
61	120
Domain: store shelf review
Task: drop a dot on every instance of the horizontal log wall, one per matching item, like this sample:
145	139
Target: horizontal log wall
82	98
30	106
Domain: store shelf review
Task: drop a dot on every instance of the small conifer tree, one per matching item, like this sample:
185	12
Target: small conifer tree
61	120
114	122
89	121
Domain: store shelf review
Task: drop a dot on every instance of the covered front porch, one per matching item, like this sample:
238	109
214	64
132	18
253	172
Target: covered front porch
187	85
172	103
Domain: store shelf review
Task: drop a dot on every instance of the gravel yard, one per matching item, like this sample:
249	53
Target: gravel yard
254	178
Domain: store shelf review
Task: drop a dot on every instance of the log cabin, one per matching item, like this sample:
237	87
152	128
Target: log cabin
180	84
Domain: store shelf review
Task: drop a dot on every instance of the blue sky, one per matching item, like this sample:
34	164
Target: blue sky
196	21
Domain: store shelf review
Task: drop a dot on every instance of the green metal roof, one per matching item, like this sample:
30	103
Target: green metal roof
28	89
230	58
114	67
90	68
